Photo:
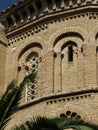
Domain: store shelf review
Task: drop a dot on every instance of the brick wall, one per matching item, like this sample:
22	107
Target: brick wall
55	73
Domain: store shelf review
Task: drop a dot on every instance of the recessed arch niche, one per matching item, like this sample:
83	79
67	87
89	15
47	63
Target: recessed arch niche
29	59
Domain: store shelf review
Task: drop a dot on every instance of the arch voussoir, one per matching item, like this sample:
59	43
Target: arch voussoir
77	30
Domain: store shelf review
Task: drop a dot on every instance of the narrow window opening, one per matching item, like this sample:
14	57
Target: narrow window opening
39	6
31	9
17	17
24	14
10	22
58	3
70	53
66	2
49	1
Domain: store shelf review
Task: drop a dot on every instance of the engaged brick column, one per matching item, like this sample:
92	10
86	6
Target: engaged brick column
47	73
97	65
39	76
81	76
89	65
57	73
3	60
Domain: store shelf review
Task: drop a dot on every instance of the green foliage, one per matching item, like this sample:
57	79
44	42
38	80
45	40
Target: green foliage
42	123
75	124
29	78
10	100
39	123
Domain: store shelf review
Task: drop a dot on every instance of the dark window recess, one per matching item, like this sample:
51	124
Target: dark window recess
78	117
10	22
68	113
33	65
32	97
49	4
49	1
39	6
74	2
73	115
62	115
70	53
97	51
66	2
31	9
17	17
24	14
81	49
58	3
82	1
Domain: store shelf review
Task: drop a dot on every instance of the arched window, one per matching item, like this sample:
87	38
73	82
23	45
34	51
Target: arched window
31	65
71	48
28	60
